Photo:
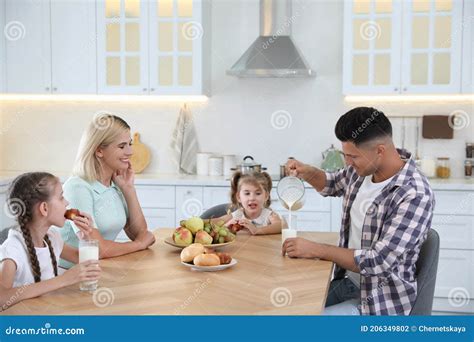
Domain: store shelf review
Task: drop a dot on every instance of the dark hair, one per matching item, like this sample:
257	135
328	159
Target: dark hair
26	191
259	179
363	124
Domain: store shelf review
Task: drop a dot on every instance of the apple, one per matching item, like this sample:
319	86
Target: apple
203	238
194	224
182	236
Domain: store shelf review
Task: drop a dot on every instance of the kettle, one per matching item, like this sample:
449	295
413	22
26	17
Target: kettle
332	159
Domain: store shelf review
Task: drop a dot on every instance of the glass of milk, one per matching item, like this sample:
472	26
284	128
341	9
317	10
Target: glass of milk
288	231
88	250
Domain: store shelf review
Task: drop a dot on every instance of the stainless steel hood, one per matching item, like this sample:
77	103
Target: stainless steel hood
273	53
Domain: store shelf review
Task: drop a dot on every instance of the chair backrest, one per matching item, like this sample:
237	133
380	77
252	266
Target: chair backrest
427	267
4	234
216	211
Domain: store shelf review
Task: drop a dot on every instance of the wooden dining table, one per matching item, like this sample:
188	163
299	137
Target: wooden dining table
154	282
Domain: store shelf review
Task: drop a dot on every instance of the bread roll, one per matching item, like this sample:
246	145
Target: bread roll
207	260
188	253
225	258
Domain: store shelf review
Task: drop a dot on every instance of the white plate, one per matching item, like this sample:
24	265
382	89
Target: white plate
210	268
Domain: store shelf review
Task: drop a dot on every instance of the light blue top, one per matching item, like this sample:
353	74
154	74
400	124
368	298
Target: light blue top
106	205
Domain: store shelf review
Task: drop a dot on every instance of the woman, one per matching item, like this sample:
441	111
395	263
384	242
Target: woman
102	185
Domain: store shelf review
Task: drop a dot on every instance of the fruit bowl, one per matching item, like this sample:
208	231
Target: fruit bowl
210	268
169	241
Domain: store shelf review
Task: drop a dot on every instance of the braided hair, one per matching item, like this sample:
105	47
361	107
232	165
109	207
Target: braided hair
261	180
26	191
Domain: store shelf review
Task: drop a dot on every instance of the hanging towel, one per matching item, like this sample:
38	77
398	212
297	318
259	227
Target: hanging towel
184	143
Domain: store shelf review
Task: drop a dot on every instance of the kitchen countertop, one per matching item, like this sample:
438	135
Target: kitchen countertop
263	282
194	180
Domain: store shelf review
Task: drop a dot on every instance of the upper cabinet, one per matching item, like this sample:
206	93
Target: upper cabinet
50	47
153	47
468	49
403	47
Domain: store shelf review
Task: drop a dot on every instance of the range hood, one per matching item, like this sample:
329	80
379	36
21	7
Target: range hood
273	53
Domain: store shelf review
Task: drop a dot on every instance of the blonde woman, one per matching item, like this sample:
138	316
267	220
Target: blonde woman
102	188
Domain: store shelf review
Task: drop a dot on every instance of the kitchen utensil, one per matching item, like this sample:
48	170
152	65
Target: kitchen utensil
290	191
169	241
229	163
332	159
141	154
210	268
216	166
249	166
202	166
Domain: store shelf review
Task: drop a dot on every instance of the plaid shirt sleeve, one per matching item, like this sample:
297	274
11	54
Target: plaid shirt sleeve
401	231
336	183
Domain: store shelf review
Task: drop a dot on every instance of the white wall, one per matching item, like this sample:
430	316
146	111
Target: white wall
237	118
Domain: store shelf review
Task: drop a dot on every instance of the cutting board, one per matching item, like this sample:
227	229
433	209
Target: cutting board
141	155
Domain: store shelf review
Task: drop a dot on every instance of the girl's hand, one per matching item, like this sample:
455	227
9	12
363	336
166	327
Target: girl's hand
85	223
247	224
87	271
125	179
230	222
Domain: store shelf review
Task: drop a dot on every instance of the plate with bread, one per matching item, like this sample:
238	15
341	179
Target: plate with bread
200	258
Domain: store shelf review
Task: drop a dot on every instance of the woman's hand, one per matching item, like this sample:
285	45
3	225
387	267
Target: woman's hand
87	271
247	224
125	179
85	223
145	239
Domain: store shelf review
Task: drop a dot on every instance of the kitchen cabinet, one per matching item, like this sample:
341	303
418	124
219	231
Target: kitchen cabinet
2	49
403	47
189	202
468	48
153	47
50	47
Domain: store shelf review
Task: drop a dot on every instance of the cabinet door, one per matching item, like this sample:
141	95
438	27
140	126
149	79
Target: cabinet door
2	48
73	44
175	42
188	201
372	43
215	195
468	48
28	46
431	52
455	274
122	53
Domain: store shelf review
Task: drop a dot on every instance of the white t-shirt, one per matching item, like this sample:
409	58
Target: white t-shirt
366	195
14	248
261	221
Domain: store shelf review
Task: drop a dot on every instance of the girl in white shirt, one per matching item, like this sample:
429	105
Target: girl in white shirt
29	256
250	196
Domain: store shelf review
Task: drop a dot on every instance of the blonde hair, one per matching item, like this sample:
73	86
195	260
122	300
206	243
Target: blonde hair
261	180
102	131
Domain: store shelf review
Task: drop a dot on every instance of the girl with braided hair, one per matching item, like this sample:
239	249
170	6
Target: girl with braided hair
29	256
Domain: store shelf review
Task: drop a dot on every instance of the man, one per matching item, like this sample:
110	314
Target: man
387	211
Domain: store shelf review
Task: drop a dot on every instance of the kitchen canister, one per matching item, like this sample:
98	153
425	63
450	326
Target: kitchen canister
216	166
229	163
202	161
428	167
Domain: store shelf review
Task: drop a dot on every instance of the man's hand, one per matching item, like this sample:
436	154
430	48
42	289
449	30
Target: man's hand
300	248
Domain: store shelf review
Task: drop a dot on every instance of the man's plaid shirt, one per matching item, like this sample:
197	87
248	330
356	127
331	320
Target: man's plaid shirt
395	226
